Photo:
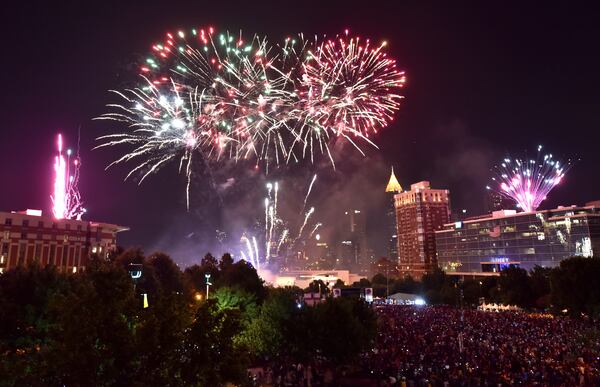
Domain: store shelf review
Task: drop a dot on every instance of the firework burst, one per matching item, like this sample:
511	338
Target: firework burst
219	96
347	88
528	181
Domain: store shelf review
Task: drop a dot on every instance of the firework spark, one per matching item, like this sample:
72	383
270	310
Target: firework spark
281	237
219	96
348	89
66	198
528	181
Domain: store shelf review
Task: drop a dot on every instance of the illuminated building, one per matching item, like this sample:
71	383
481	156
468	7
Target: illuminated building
494	201
393	187
353	249
317	255
28	236
490	243
303	278
419	212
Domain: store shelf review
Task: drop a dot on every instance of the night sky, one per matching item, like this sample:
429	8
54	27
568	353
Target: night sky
482	81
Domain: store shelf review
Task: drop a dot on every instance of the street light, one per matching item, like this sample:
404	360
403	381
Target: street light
208	283
135	272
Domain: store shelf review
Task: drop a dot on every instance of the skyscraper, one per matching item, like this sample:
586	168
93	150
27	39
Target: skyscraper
419	212
354	243
393	187
495	201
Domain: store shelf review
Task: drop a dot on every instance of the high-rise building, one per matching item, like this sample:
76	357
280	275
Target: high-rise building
27	236
487	244
495	201
419	212
393	187
353	249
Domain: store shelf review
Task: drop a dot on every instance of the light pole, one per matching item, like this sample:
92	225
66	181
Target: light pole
207	276
387	280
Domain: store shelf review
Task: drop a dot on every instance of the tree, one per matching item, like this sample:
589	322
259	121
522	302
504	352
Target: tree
335	321
489	289
440	288
406	285
167	273
242	276
362	283
272	333
209	261
226	262
25	293
379	279
209	356
434	280
318	286
90	340
194	277
472	291
575	286
540	286
515	288
339	284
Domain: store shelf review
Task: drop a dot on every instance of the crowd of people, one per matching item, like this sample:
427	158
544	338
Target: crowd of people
445	346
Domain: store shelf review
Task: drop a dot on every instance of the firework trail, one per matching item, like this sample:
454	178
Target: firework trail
251	254
282	239
314	230
279	239
219	96
309	190
528	181
66	198
306	217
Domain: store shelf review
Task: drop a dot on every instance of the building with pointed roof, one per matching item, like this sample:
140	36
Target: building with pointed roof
393	185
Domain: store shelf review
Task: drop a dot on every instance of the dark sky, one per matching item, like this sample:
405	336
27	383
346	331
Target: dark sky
482	81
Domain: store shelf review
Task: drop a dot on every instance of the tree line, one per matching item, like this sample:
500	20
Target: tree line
570	288
101	327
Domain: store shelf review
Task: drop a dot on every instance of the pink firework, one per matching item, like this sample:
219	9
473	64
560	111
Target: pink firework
66	199
528	181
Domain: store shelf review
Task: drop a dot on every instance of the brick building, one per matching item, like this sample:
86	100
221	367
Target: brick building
28	236
419	212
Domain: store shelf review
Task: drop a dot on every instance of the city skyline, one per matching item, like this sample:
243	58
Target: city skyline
460	115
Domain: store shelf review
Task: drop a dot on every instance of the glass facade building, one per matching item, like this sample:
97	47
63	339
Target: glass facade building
486	245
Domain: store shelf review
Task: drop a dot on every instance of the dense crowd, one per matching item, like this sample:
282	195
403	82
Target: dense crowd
422	346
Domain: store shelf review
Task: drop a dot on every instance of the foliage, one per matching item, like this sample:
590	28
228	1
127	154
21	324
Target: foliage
209	355
318	286
90	328
575	286
515	287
